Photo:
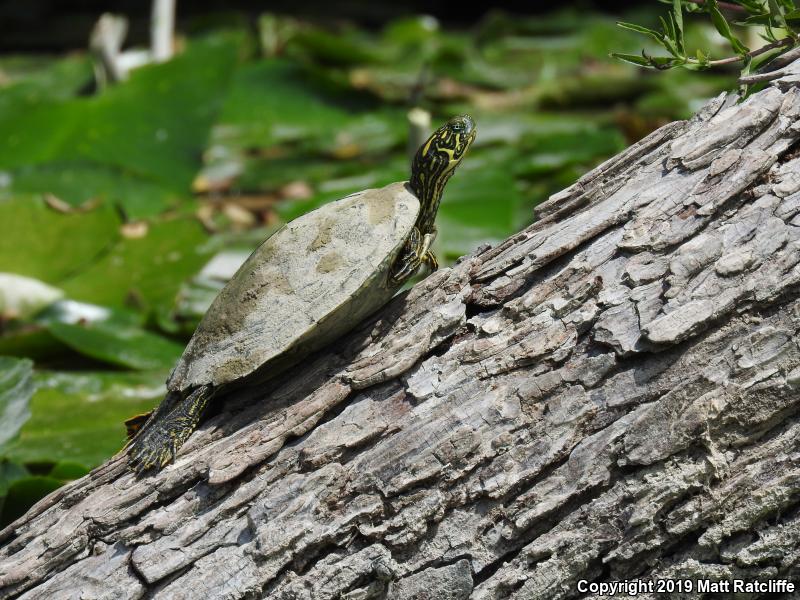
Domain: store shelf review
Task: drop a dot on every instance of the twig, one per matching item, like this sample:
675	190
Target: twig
787	41
774	70
783	60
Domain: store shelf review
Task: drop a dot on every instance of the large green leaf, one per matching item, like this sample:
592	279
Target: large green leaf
116	344
78	417
55	244
157	124
275	100
154	125
16	389
79	184
144	273
44	76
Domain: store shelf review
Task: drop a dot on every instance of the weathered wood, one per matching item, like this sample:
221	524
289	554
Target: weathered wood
610	394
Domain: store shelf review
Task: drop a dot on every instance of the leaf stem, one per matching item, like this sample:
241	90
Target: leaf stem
787	41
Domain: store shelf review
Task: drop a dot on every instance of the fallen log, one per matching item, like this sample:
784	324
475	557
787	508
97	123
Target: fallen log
611	394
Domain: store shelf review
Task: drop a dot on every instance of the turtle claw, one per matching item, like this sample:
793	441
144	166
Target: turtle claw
155	450
143	459
416	252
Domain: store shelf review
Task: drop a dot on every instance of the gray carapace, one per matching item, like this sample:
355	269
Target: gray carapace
310	282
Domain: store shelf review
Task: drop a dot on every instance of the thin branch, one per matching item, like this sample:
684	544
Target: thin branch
774	70
787	41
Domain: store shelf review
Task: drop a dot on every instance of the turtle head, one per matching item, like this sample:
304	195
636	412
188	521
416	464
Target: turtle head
435	162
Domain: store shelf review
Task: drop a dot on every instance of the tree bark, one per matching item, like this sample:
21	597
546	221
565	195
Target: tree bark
610	394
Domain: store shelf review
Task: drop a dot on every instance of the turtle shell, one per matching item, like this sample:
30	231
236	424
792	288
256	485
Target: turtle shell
310	282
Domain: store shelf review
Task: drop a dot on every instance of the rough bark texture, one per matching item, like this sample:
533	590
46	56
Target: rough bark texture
609	394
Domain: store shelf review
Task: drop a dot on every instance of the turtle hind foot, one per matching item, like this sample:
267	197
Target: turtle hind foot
158	443
135	424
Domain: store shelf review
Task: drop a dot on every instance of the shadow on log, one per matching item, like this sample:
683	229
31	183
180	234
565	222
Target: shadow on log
612	393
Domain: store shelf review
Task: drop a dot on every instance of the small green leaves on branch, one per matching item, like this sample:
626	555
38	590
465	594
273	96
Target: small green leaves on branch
778	22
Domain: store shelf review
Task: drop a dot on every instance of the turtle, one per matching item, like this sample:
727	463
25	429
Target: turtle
310	282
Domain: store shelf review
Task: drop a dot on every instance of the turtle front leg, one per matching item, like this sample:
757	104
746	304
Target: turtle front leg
415	252
160	441
428	257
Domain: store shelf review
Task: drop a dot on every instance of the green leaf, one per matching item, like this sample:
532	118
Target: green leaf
634	59
677	16
670	40
668	26
776	11
67	470
155	125
78	417
656	35
82	183
38	76
118	345
546	154
10	472
16	389
792	15
723	28
32	339
664	62
144	273
30	342
759	19
275	100
752	6
56	244
341	48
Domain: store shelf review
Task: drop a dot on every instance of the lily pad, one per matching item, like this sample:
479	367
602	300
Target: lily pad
276	100
115	344
45	76
145	273
67	470
30	341
79	417
155	125
55	244
81	184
